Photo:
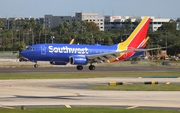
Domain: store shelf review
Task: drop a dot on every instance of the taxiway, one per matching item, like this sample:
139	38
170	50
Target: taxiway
74	92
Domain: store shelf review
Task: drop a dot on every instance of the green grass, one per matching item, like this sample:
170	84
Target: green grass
89	75
138	87
83	110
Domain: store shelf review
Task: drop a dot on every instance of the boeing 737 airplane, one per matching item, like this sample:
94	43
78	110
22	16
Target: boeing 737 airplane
61	54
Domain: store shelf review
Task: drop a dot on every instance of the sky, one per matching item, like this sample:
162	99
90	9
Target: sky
39	8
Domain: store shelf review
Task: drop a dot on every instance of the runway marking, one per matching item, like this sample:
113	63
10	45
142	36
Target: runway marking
68	106
6	85
1	106
15	85
132	107
128	83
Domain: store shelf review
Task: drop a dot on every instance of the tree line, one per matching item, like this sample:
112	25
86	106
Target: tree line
30	33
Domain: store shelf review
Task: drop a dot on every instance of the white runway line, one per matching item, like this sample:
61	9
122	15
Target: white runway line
132	107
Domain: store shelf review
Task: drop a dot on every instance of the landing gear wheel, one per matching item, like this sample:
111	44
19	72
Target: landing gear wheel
79	67
91	67
35	65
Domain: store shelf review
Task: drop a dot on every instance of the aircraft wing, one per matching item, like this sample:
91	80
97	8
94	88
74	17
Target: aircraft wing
104	57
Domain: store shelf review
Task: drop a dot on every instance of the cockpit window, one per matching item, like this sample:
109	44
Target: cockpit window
31	48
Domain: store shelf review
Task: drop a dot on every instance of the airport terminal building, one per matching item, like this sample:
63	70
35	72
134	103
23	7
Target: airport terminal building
105	22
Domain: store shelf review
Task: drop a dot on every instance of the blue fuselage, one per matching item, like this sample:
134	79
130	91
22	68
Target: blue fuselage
62	52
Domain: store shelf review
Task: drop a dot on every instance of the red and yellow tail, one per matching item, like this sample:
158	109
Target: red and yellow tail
136	40
137	37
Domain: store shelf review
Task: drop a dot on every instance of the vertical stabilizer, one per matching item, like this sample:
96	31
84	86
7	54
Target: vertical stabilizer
137	37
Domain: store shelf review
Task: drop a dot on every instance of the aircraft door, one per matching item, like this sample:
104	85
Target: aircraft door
43	50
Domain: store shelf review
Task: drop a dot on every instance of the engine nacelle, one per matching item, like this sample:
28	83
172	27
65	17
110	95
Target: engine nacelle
57	63
78	60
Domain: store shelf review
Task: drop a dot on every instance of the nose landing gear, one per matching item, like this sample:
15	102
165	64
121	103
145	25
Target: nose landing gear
36	65
91	67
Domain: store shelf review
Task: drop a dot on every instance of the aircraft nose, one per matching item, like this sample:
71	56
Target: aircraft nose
23	53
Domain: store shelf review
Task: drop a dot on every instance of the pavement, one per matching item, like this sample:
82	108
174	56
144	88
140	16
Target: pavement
74	92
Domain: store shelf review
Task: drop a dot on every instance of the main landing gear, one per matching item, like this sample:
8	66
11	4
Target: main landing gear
91	67
80	67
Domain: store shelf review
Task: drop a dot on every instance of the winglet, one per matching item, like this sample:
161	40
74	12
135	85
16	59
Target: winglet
72	41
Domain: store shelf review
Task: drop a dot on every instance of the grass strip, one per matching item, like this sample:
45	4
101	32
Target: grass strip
138	87
89	75
84	110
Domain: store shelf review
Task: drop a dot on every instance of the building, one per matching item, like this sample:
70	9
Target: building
104	23
13	22
157	22
53	21
117	22
178	24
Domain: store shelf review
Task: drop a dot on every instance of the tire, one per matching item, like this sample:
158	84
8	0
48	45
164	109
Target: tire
79	67
35	65
91	67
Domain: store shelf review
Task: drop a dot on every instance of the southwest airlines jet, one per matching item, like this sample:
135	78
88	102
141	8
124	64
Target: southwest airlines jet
61	54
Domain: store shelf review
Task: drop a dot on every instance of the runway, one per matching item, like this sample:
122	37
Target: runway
98	69
74	92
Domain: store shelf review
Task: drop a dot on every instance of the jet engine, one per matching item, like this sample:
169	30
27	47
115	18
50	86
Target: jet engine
78	60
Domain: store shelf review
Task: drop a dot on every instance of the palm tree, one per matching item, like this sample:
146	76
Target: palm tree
22	24
84	26
12	24
67	26
32	28
39	29
1	25
75	26
32	24
61	28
